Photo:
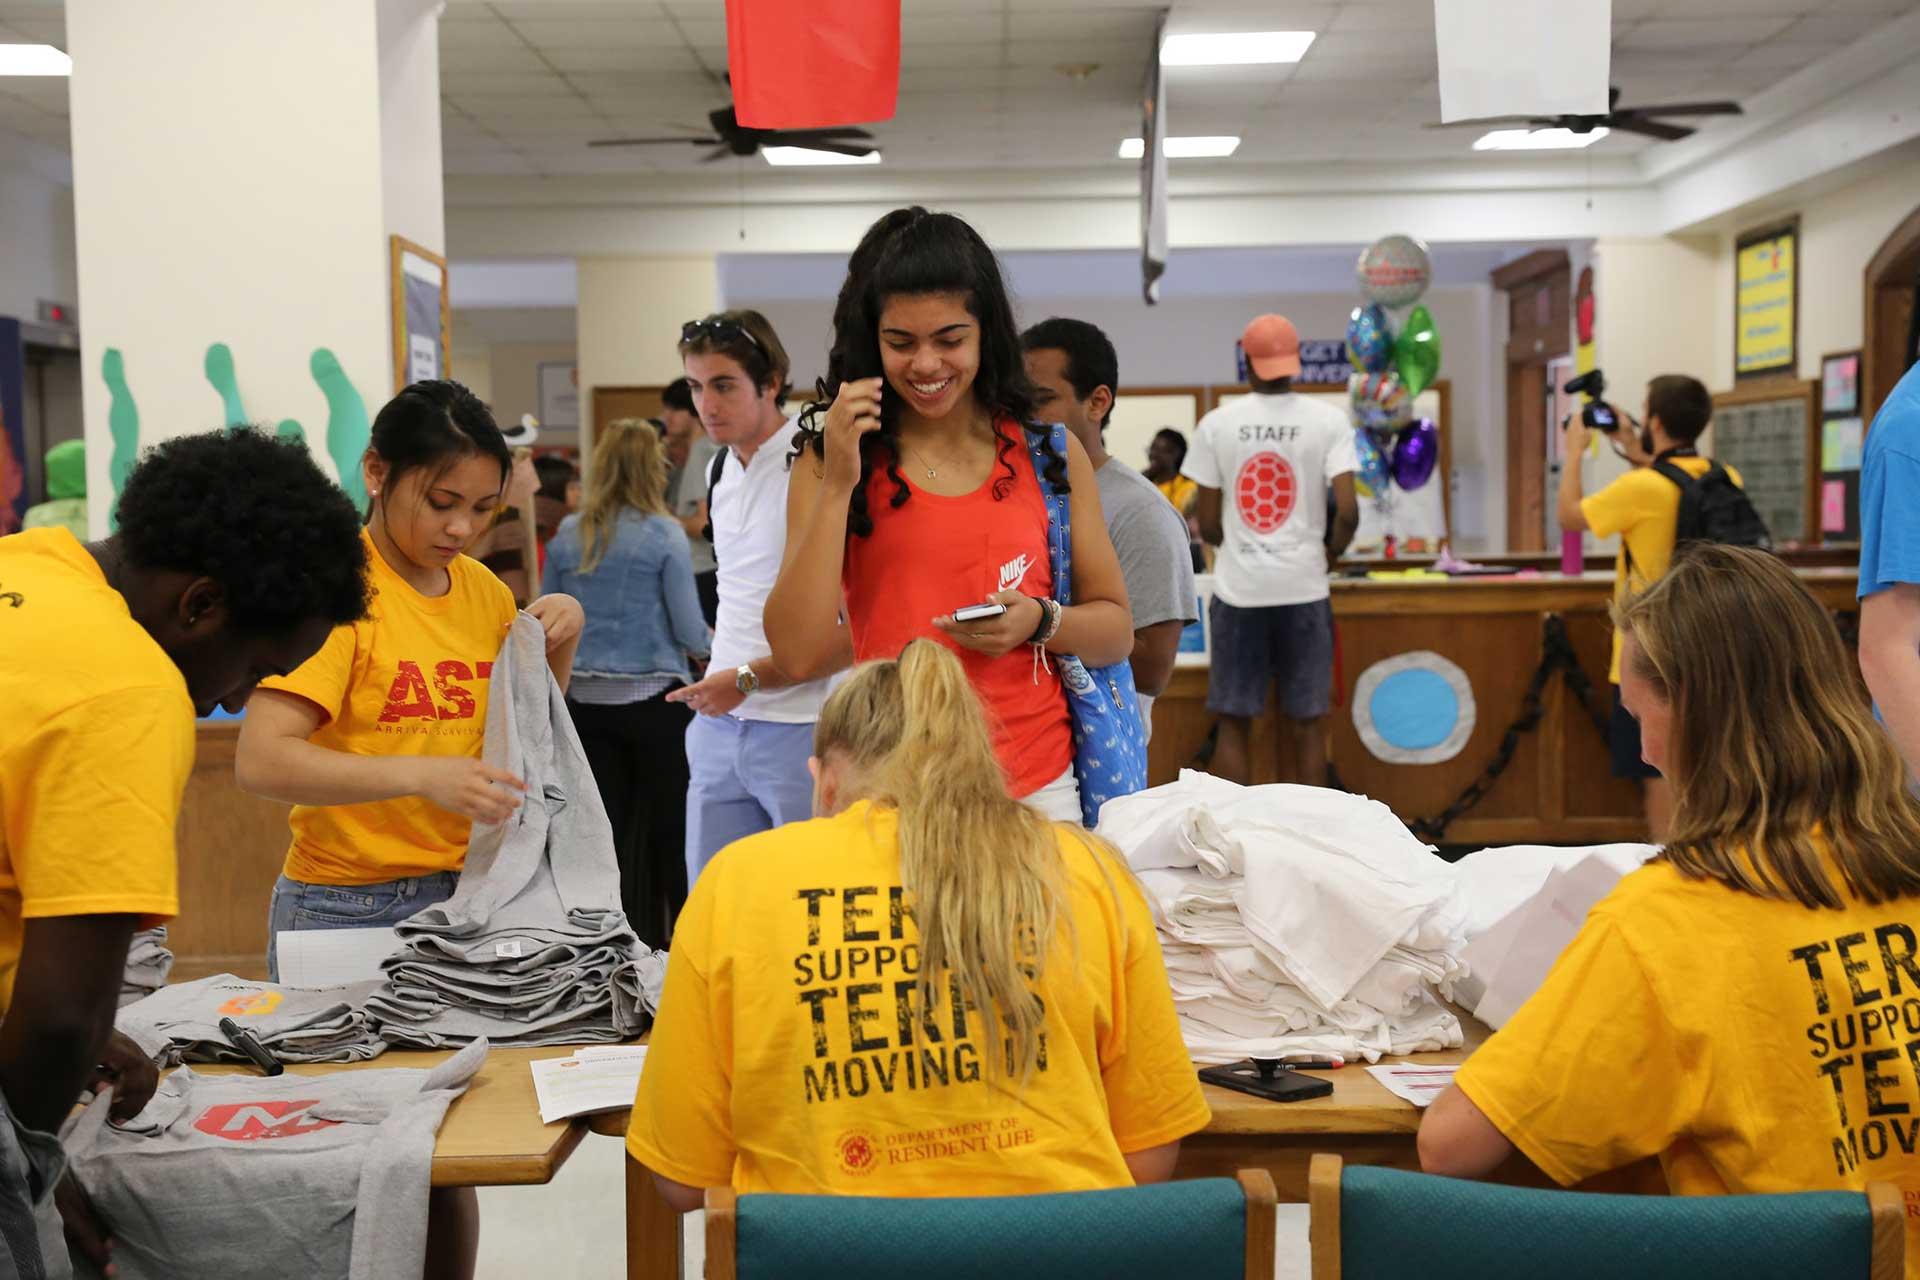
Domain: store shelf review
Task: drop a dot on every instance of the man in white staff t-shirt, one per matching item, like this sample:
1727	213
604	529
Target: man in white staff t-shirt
1273	455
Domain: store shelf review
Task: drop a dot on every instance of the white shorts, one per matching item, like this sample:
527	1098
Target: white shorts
1059	799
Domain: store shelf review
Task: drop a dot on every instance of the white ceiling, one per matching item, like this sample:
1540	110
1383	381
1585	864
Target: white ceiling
527	84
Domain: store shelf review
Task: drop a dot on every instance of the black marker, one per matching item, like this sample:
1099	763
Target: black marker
248	1043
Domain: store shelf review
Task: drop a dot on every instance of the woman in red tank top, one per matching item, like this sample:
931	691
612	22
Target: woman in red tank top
913	495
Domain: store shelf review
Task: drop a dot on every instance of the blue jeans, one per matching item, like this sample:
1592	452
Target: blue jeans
296	905
745	777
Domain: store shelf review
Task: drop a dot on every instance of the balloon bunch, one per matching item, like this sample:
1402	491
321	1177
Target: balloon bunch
1389	370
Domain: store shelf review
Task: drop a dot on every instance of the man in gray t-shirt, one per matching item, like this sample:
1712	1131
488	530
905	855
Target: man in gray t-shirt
1074	372
690	458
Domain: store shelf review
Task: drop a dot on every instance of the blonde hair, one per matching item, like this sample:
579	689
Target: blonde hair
629	470
1773	746
981	870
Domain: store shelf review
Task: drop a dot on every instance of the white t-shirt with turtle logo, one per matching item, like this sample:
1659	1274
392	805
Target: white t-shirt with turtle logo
1272	458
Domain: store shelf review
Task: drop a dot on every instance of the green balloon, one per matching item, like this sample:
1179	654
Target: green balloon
1416	353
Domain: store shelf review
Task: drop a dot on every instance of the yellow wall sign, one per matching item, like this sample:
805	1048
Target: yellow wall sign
1765	295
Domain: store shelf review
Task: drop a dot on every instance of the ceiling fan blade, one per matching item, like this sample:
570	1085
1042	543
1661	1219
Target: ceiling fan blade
1491	122
842	134
649	142
837	148
1687	109
720	152
1652	128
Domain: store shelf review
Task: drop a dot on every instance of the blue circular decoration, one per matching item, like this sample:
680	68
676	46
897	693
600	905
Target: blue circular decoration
1414	709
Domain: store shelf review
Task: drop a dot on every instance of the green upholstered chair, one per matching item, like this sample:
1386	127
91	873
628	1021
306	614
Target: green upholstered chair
1206	1229
1370	1224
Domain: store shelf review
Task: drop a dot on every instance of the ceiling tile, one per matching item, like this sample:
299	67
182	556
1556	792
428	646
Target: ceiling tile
461	83
1842	27
1782	57
972	27
1691	33
517	58
567	11
1085	24
1361	17
627	33
1353	46
664	56
489	33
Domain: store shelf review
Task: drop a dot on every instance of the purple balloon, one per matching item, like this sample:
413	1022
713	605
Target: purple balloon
1416	454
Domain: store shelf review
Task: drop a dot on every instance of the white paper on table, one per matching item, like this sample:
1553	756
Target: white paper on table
1522	57
1418	1083
333	957
584	1086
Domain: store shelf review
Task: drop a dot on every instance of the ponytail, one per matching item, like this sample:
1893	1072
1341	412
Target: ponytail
981	870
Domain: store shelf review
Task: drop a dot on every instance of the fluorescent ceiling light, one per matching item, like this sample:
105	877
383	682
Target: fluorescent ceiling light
1183	148
807	155
33	60
1234	48
1537	139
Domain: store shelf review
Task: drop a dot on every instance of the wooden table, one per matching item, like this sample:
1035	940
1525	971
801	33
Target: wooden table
492	1136
1359	1121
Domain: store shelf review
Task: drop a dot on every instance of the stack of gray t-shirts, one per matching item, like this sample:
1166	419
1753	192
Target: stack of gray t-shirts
532	948
245	1178
181	1023
148	964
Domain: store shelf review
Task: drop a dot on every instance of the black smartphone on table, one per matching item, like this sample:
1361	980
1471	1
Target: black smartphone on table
1267	1079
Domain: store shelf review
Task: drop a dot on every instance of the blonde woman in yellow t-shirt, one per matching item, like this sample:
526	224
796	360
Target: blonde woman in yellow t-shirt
929	989
1747	1006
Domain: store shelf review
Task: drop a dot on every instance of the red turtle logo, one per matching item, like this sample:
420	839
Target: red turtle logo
1265	491
858	1152
252	1121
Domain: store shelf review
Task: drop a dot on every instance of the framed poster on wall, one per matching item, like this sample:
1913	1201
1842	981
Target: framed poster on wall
559	388
422	320
1766	301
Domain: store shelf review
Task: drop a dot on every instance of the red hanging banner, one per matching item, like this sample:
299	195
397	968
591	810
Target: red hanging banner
812	64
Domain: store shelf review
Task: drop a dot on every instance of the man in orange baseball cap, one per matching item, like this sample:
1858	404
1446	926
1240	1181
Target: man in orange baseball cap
1271	457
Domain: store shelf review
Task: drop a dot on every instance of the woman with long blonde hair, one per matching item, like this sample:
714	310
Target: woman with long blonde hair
929	989
1747	1006
627	561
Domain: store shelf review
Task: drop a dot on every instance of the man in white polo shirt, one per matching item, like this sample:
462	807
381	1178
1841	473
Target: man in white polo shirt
1264	464
747	748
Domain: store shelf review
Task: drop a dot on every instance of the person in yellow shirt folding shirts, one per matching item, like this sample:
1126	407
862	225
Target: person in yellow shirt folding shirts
1746	1007
1643	508
235	557
927	990
376	741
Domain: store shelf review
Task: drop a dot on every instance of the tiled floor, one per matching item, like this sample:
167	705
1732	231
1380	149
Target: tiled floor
572	1228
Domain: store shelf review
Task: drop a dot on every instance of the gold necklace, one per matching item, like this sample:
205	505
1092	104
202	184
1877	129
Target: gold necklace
931	470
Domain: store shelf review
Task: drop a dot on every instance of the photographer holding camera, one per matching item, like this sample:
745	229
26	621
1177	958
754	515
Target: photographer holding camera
1644	508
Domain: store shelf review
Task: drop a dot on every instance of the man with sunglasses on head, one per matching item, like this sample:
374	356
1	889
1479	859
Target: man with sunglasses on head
747	749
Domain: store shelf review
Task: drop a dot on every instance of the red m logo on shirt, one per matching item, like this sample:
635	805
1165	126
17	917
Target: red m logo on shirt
251	1121
410	699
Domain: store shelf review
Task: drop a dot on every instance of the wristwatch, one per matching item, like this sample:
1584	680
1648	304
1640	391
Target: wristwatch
745	680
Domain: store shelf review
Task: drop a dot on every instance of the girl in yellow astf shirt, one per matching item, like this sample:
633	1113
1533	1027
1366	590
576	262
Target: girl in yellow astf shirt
376	739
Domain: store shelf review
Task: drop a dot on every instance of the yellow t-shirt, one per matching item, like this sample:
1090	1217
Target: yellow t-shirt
1752	1044
409	679
96	743
1643	507
786	1056
1179	491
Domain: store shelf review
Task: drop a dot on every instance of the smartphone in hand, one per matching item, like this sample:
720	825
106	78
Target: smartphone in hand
978	612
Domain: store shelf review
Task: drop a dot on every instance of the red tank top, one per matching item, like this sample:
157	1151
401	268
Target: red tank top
935	554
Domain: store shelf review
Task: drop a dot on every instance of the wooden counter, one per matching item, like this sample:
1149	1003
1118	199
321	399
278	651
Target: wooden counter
1558	789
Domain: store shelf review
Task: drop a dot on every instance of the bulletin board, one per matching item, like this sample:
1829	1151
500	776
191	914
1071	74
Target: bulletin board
422	317
1771	434
1842	435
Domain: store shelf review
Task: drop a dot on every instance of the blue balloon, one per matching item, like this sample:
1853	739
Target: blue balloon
1370	339
1373	463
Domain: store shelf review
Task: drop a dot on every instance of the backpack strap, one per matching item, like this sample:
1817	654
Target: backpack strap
1059	512
1679	477
714	469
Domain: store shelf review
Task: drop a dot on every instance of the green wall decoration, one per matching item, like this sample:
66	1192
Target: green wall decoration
291	430
348	429
123	423
220	373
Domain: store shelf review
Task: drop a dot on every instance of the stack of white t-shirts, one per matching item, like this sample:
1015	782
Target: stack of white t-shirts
148	964
1493	882
181	1023
245	1178
532	948
1294	920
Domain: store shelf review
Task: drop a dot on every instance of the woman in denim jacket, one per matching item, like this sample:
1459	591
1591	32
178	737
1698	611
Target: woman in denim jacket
626	560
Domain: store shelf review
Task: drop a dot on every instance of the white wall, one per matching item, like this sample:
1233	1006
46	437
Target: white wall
1188	341
411	170
36	214
240	203
629	318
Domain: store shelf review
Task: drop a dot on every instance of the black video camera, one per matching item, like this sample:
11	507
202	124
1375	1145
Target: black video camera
1596	413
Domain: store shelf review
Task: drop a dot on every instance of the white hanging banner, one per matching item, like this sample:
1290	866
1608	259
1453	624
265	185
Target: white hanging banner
1522	57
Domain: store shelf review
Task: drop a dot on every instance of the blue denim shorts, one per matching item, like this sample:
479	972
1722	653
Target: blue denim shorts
297	905
1253	648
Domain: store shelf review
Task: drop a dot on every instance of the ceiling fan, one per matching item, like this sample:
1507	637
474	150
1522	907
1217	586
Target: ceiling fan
1642	120
731	138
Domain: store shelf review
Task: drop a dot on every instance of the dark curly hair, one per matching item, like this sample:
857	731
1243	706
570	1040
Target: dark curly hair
913	252
254	514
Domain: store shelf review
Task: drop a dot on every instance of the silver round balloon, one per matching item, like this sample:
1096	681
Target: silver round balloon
1394	271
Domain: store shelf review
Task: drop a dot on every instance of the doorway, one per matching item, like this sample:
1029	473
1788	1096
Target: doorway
1539	289
1892	293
